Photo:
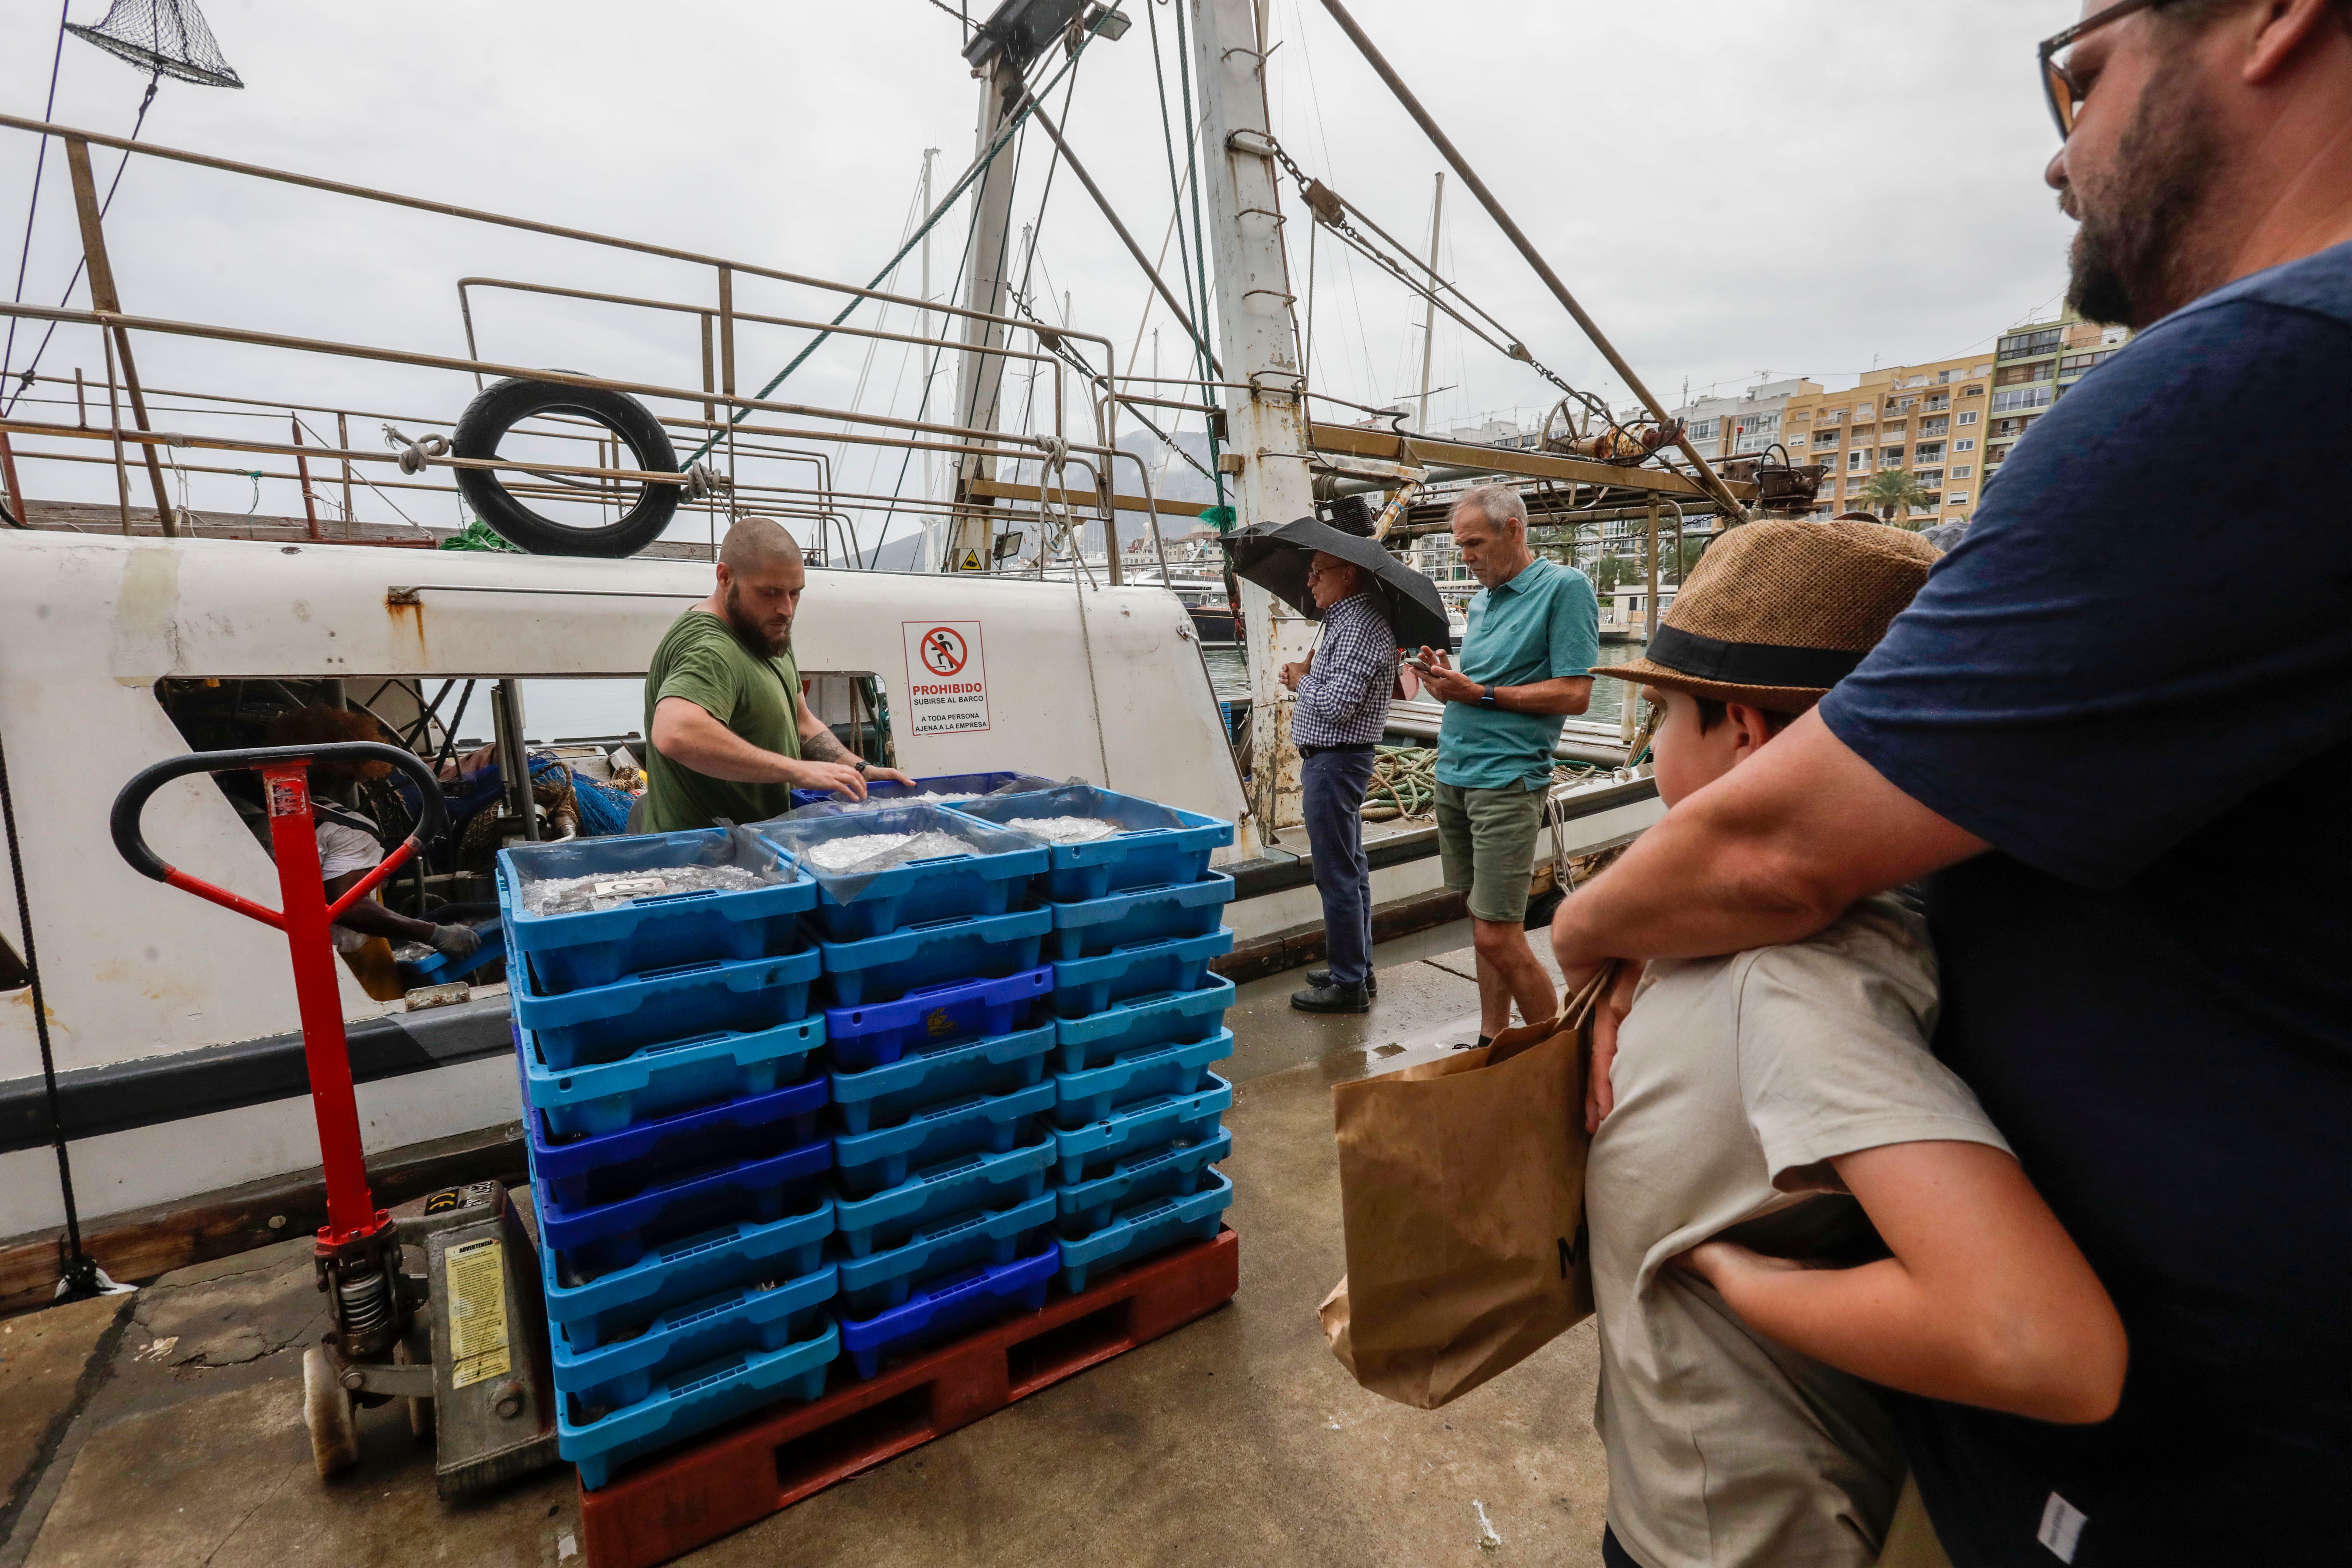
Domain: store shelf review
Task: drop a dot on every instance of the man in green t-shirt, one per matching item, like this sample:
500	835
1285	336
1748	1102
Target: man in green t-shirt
732	734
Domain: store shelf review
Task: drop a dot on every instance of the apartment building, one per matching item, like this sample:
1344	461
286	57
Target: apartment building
2036	364
1728	426
1928	420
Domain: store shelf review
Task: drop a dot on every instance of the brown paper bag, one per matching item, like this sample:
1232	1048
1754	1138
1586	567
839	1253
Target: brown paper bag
1462	1189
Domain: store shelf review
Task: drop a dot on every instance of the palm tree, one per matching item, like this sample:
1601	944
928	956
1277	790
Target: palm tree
1893	491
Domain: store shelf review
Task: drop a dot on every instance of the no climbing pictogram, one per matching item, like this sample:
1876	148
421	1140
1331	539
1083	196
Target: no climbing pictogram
944	652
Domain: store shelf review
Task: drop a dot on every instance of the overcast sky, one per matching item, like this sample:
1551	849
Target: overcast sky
1730	188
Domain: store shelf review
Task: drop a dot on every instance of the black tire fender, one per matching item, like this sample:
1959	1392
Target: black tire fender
503	405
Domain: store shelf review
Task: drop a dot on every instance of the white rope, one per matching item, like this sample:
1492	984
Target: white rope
415	454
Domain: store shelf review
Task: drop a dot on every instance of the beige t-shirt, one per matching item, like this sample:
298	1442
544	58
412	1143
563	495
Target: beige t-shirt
1736	1078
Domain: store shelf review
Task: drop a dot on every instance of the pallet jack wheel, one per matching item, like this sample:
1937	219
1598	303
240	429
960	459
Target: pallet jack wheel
326	1412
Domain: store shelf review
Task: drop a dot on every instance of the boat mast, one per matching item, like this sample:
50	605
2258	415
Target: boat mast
979	379
1264	383
1429	312
930	479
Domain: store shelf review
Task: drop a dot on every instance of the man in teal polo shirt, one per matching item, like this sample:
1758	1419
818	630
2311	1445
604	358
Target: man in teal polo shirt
1526	662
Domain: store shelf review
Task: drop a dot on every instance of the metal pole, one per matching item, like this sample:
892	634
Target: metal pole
1429	314
105	300
514	759
16	512
302	468
1650	634
930	480
343	440
115	425
980	377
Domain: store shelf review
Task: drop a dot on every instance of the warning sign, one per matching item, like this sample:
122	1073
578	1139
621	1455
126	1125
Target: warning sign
475	1301
970	562
947	682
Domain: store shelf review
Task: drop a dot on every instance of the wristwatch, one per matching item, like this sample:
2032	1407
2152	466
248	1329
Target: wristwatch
1488	699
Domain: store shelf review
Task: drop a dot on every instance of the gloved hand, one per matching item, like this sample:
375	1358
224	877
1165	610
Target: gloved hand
457	942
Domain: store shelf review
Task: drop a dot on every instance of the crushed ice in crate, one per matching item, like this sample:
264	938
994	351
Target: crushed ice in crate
611	890
1065	829
894	848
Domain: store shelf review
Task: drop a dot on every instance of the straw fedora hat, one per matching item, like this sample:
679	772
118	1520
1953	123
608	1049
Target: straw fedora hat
1775	614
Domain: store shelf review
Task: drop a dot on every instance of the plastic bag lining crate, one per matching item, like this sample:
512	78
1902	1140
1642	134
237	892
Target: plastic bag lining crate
956	1184
983	947
965	1299
598	1239
662	1079
619	1304
1143	1228
1145	914
762	1315
865	1162
954	787
693	1400
886	1278
1160	844
606	1168
1085	1206
885	1096
1091	1095
881	1032
1083	986
1145	1124
604	1023
595	947
1159	1018
852	905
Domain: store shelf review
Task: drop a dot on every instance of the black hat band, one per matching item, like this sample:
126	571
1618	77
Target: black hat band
1748	663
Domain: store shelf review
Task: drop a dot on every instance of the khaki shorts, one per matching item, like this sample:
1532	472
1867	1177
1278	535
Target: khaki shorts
1487	844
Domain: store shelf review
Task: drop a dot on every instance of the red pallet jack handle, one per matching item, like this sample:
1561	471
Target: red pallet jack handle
305	917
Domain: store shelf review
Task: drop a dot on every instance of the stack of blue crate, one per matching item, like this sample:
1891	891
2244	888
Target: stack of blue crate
1135	920
936	1041
674	1102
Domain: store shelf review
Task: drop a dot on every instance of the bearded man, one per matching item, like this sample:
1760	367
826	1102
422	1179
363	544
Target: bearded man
731	732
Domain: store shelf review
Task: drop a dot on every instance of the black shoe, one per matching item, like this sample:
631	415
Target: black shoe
1321	977
1332	999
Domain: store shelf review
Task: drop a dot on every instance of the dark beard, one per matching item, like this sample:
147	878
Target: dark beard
747	631
2130	264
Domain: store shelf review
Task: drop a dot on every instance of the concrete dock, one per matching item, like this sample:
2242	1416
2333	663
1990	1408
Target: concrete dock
164	1429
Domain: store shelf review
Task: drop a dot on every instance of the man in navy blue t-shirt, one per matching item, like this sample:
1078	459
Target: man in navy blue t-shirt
2132	785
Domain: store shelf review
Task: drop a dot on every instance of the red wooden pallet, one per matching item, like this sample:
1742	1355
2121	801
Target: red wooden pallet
741	1474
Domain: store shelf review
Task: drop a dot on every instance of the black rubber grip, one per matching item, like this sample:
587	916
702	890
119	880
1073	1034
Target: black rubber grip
132	801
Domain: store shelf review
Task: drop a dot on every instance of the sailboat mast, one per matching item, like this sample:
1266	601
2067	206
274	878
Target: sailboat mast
979	379
930	479
1428	312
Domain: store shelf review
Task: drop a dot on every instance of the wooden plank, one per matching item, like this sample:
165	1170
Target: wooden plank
997	489
1427	450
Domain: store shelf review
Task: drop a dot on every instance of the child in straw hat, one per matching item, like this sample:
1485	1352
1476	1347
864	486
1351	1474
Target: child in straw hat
1791	1199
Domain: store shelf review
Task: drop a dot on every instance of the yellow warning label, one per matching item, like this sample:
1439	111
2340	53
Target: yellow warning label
971	561
475	1280
936	1024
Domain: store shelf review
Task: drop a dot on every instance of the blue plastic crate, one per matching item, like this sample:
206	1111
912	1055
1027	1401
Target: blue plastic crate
596	1240
855	905
1156	1018
754	1316
439	970
605	1023
1085	1206
1140	1229
885	968
885	1096
659	1080
618	1305
865	1162
882	1031
955	786
1160	844
1092	1093
962	1301
1083	986
957	1184
994	1236
1144	914
1146	1124
608	1167
691	1401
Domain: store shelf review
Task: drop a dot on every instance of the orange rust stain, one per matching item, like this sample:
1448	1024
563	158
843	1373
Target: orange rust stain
411	616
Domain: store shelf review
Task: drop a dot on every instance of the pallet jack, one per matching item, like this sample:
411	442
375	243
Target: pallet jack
464	1339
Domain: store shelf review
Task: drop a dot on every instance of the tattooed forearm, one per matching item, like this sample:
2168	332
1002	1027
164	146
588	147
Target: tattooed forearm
822	745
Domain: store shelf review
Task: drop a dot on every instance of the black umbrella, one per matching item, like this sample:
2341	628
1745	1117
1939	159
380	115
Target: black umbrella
1276	559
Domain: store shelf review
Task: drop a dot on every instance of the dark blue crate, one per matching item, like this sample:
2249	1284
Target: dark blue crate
885	968
439	970
866	1163
691	1401
606	1168
957	1184
618	1305
1092	1093
1141	1229
1086	986
965	1299
1178	1168
755	1317
659	1080
596	947
1145	914
1146	1124
853	906
885	1096
955	786
596	1240
605	1023
1160	844
1156	1018
992	1237
882	1031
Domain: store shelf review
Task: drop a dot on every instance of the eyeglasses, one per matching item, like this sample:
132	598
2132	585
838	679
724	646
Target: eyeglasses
2065	96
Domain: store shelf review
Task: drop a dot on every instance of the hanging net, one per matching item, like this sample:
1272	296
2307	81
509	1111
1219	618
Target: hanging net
166	36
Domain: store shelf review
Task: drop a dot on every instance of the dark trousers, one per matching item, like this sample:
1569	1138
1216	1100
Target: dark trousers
1333	784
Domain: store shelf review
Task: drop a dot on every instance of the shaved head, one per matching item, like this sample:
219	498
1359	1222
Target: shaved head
756	543
761	577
